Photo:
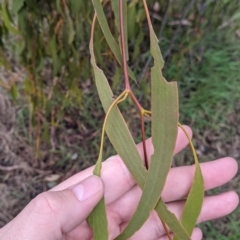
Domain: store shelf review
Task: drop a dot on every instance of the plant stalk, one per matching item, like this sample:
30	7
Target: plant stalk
123	47
127	84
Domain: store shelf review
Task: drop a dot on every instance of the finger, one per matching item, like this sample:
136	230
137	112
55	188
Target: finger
213	207
178	184
123	209
196	235
215	173
116	177
52	214
179	180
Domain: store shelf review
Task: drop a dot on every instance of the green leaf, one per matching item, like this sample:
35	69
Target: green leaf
164	133
124	144
132	19
17	5
98	217
108	35
7	19
98	221
22	23
116	77
71	31
75	6
20	46
115	8
194	201
53	50
195	198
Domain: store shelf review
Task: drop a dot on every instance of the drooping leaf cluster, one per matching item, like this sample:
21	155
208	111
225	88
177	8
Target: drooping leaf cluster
164	116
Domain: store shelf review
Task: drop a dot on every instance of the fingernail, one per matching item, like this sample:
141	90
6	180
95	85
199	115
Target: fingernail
87	188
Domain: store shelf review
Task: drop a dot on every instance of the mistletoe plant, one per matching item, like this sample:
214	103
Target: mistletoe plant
164	124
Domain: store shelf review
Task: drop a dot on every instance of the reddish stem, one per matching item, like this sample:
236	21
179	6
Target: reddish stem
127	84
140	110
128	87
144	142
124	62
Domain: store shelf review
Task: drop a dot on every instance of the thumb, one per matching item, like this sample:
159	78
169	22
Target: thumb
55	213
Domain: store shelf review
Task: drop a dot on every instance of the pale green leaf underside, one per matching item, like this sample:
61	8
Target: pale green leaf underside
164	133
98	221
98	217
124	144
194	202
164	105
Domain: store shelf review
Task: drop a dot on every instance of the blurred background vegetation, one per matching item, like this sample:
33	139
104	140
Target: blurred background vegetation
53	128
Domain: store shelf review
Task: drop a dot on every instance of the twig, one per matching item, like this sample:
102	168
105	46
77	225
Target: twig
124	61
127	84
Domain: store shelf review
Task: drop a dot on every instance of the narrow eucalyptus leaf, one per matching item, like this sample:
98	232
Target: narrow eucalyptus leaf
7	19
195	198
98	218
164	106
98	221
164	133
115	8
76	6
132	20
71	31
124	144
194	202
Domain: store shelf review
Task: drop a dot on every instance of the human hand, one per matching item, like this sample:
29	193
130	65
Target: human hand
61	212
